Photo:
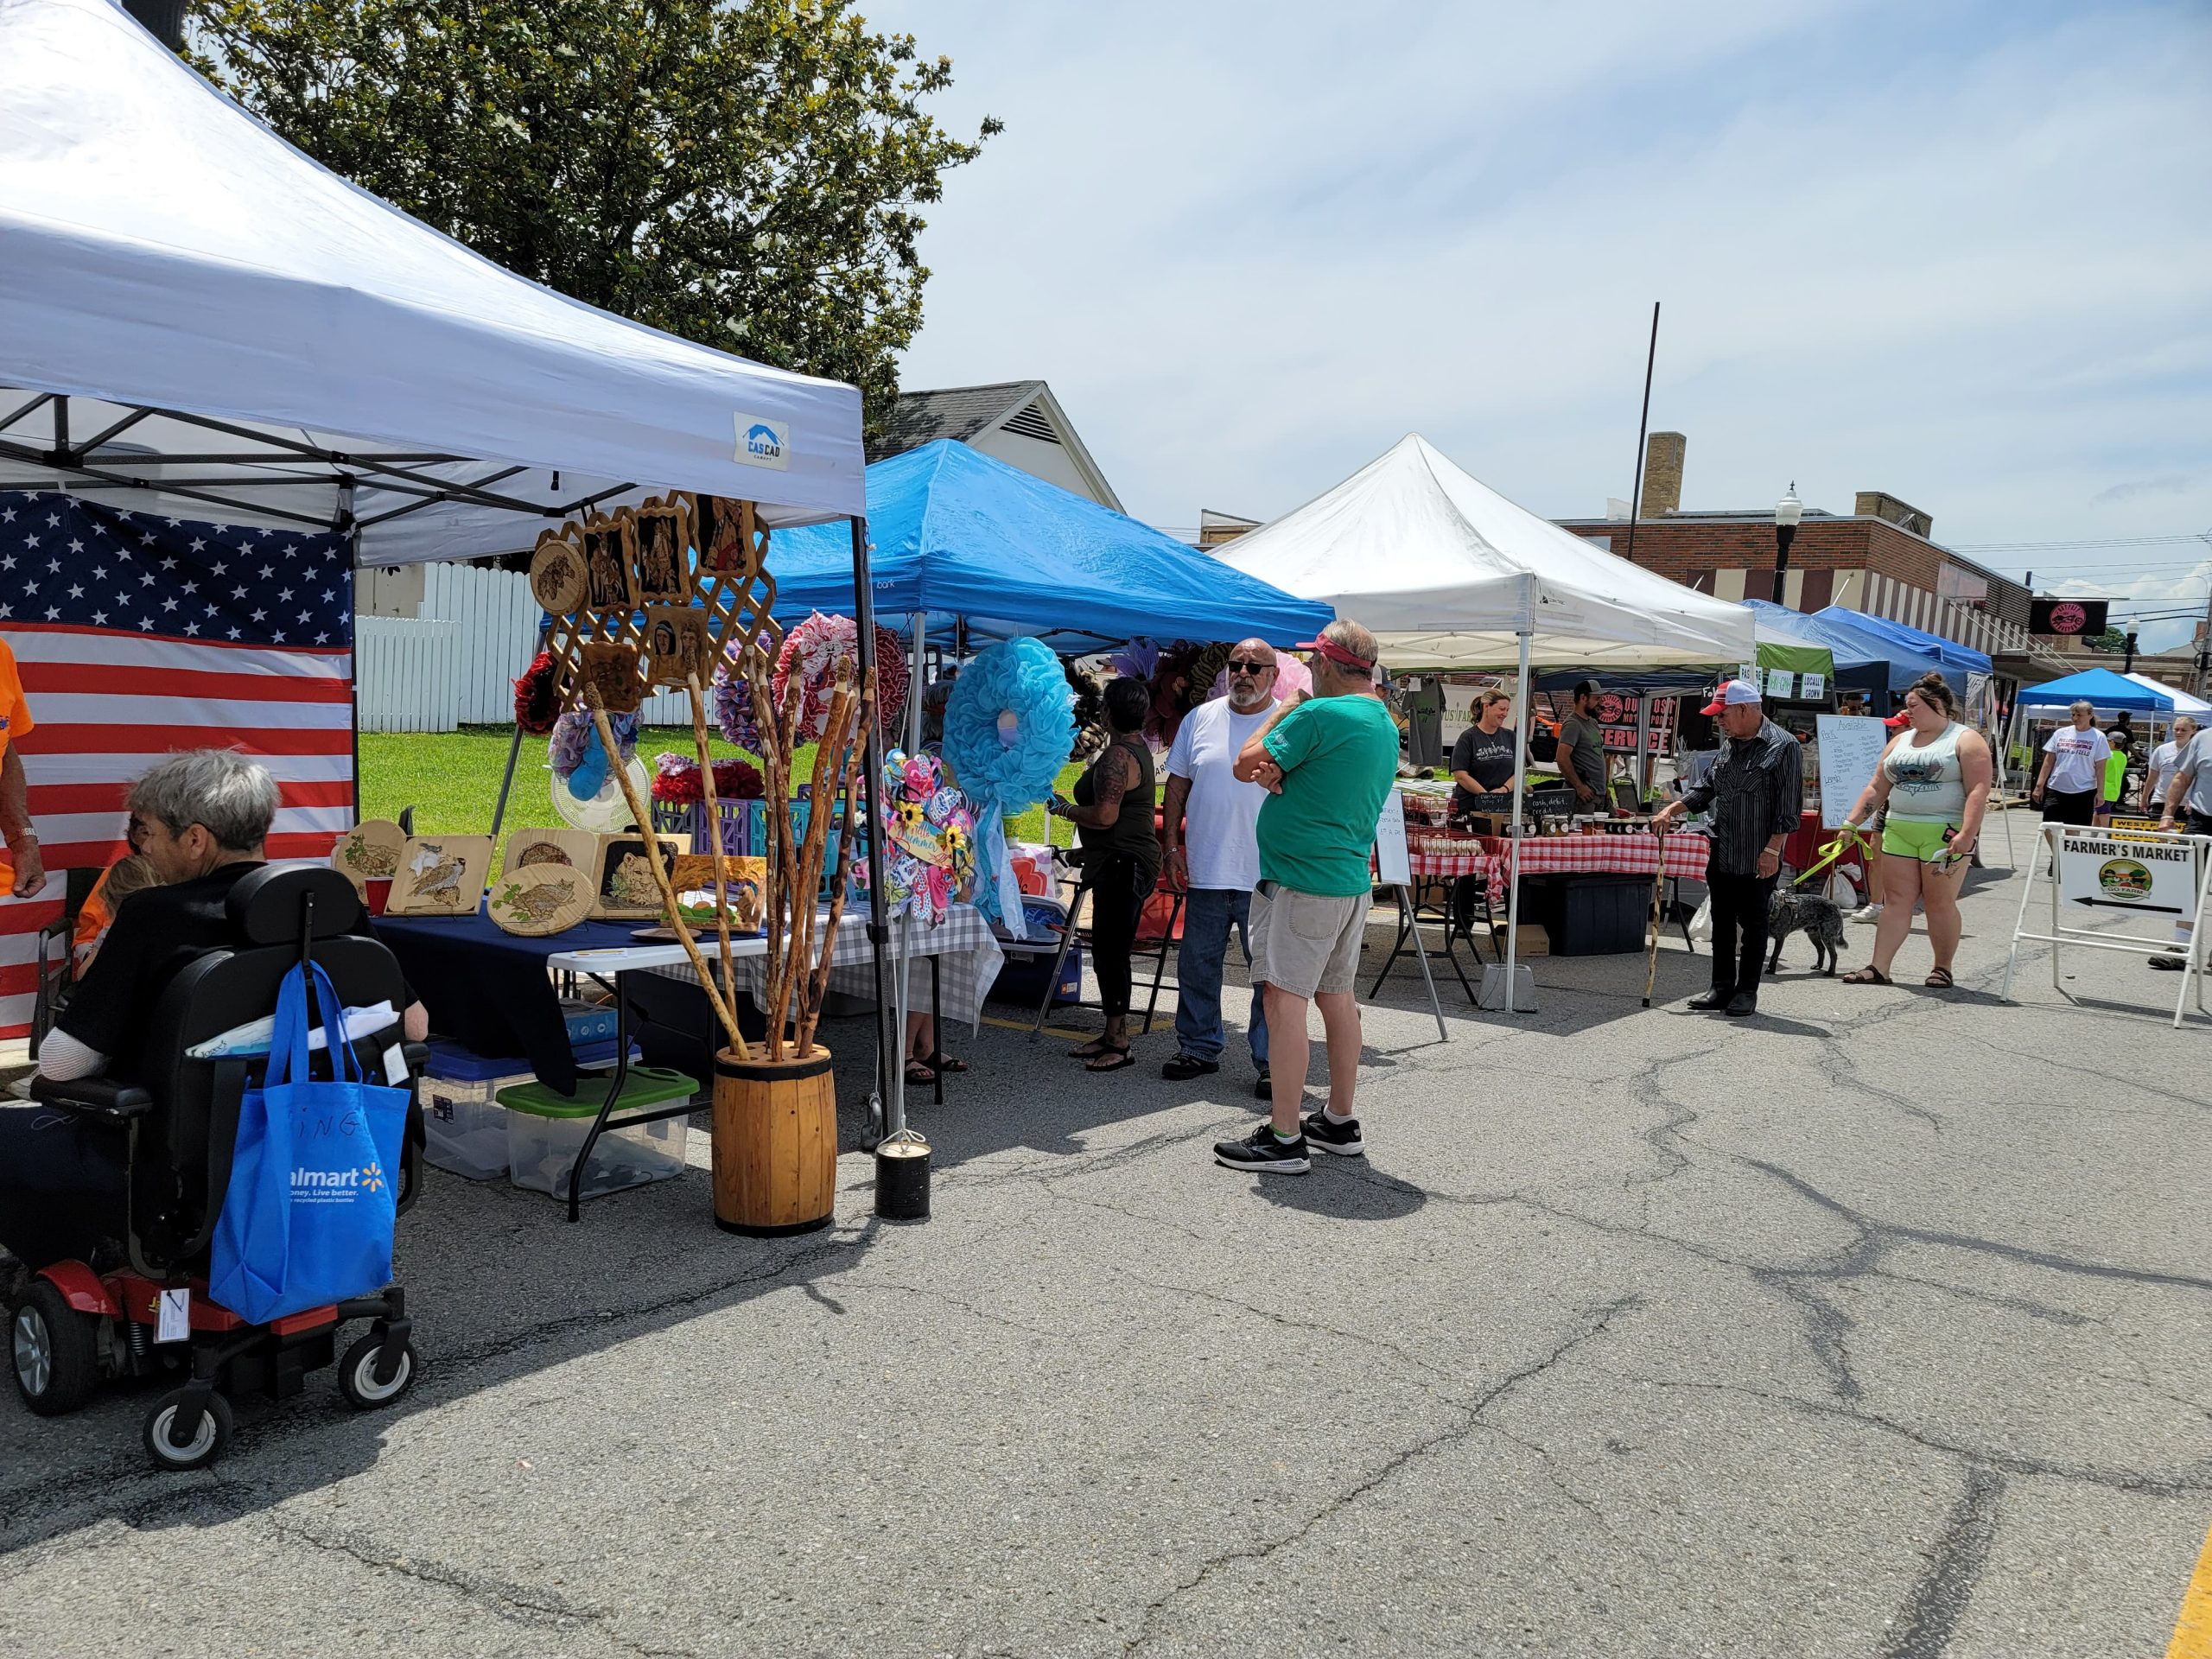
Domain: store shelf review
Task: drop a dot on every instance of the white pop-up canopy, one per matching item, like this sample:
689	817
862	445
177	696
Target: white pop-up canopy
1449	574
188	304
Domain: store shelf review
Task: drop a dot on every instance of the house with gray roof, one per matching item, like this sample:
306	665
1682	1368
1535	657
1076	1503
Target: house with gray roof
1018	422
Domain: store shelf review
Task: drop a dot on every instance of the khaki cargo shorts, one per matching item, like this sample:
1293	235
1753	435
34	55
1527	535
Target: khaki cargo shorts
1306	943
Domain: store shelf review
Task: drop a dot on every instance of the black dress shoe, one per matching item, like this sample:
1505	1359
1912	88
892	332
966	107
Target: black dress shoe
1710	1003
1743	1003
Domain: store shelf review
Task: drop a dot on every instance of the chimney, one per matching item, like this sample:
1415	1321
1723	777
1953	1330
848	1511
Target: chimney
1881	504
1662	474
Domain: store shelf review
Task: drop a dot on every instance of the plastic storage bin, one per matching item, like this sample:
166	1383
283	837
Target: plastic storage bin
545	1131
587	1023
465	1127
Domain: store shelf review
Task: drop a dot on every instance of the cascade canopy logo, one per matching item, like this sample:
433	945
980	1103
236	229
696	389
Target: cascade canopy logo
763	443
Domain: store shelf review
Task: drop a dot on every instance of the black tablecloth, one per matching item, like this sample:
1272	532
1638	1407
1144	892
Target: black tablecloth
488	990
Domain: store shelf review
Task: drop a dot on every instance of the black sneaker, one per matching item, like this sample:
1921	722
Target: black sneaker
1262	1152
1343	1139
1265	1088
1184	1067
2172	961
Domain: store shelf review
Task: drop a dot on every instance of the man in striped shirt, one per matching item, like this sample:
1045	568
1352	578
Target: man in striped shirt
1755	793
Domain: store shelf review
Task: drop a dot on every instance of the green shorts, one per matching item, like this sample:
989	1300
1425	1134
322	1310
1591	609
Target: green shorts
1919	839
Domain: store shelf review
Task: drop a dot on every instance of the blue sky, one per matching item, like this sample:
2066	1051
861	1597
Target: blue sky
1959	252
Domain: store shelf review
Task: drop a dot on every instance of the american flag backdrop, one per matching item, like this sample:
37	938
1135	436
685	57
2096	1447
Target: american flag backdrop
138	634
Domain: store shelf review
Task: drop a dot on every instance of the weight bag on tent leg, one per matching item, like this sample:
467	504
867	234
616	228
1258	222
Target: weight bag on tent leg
314	1183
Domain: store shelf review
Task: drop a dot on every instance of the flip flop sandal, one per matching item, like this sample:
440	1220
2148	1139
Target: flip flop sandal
920	1071
1116	1059
1868	976
1939	979
947	1064
1095	1046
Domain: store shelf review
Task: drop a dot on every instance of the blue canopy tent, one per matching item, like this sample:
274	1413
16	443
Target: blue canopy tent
1863	663
959	536
1954	658
2106	691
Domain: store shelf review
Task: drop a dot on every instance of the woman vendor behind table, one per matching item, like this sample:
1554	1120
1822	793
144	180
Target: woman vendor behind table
1487	754
1112	811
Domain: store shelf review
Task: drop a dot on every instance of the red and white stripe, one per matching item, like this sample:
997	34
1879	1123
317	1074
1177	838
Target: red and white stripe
107	705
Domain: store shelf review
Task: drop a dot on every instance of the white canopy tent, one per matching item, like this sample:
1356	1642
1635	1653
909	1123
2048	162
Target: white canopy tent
195	315
190	306
1449	574
2184	702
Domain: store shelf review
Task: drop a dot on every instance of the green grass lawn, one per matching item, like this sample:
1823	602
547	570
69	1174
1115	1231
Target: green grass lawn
452	779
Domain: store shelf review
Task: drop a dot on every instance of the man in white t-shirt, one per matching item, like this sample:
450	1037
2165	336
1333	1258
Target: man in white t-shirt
1209	822
2072	775
2163	759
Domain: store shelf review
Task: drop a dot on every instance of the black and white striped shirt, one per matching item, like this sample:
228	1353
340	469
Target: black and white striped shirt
1754	792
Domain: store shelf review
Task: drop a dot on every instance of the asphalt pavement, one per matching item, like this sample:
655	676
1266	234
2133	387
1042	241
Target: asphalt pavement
1876	1324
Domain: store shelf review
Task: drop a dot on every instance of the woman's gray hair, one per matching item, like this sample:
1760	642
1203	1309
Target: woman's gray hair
2081	706
232	797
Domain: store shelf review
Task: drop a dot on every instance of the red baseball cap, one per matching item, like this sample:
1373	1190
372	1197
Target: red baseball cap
1896	720
1337	654
1732	694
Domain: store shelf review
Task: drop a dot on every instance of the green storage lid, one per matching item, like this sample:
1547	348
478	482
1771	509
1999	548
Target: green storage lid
646	1085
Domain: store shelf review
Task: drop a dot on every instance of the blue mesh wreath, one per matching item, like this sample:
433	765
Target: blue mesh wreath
1008	725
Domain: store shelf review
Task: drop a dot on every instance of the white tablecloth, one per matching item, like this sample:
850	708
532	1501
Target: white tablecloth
968	953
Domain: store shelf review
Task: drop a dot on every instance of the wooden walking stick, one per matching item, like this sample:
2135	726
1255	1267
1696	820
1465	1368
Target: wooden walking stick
660	874
1658	900
714	831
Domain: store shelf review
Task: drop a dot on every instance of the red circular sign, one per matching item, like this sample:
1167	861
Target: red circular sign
2067	619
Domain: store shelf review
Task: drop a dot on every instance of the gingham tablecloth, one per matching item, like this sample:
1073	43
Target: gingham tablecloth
971	950
1633	854
1434	856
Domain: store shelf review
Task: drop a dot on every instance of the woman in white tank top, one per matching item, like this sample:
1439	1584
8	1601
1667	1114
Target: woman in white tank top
1935	779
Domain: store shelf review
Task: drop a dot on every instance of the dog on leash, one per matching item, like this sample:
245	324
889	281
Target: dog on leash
1818	917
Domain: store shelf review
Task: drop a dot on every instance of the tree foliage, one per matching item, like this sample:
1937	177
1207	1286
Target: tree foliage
747	175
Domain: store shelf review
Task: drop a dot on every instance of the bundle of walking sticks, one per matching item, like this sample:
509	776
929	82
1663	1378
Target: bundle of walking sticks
797	961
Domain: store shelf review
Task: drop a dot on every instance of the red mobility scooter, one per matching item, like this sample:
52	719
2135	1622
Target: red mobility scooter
174	1124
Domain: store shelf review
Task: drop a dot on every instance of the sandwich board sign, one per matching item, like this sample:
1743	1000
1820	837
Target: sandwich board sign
2098	877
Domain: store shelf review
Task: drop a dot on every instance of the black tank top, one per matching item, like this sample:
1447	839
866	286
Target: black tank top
1131	832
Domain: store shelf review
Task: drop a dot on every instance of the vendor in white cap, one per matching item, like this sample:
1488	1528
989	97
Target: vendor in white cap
1754	792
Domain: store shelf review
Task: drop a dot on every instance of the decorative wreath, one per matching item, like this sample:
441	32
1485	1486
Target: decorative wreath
574	747
815	650
538	696
929	837
1007	725
1089	711
1291	675
733	706
677	781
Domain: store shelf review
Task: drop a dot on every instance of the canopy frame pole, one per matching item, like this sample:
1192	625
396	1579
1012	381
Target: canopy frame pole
881	1101
514	748
895	1123
1519	831
1643	426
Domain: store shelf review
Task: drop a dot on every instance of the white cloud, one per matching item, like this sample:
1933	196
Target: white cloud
1962	256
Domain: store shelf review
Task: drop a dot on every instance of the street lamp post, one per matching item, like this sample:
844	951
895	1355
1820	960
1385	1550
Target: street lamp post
1787	512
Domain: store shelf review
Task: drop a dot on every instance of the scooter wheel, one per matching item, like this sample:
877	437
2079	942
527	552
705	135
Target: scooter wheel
54	1350
357	1374
205	1446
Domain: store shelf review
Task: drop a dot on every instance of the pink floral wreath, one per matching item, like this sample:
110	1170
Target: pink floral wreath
814	650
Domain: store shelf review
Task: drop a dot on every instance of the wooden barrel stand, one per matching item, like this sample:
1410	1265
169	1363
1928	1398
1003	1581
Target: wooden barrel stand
775	1145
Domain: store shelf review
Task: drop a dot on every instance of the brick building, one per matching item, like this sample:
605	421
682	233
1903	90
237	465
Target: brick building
1880	558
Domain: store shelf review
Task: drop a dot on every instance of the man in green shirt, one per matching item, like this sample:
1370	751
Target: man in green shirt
1328	762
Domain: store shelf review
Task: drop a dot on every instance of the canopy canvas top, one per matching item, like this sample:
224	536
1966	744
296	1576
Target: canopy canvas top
2195	708
191	311
1449	574
958	534
1951	657
1862	661
2102	689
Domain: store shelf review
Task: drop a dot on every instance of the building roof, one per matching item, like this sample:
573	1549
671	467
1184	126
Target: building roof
955	412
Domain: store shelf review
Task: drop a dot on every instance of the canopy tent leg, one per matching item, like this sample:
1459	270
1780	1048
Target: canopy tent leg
895	1123
878	931
514	751
1508	1001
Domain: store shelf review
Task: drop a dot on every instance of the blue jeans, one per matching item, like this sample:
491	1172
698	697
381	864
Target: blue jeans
1208	914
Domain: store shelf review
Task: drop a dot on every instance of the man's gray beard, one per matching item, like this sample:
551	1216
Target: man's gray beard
1254	707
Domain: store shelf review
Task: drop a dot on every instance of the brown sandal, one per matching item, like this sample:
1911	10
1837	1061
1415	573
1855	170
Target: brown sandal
1938	980
1869	975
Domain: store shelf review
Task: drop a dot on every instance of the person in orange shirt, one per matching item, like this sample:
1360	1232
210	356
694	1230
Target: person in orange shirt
127	875
28	875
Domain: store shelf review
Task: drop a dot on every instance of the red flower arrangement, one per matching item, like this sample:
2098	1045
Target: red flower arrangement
677	782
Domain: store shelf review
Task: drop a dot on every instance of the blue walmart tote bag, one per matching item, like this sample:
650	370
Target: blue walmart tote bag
313	1183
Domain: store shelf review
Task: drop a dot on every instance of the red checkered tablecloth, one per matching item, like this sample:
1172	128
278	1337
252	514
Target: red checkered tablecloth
1434	856
1637	854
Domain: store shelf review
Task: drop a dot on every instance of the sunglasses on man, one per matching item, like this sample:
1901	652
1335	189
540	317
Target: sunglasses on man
1239	665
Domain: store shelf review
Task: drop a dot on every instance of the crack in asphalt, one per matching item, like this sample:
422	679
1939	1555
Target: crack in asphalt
516	1603
1932	1613
1595	1323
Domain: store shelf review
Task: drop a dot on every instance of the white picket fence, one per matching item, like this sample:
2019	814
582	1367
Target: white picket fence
456	663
